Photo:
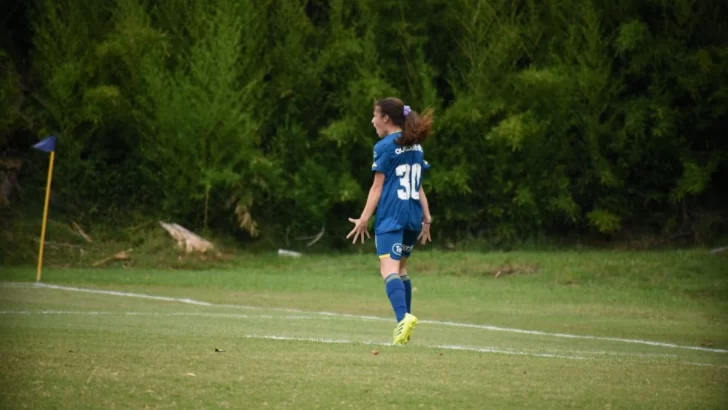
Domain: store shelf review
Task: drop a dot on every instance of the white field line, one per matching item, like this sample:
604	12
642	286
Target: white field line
286	317
480	349
443	347
447	347
171	314
105	292
486	349
364	317
572	336
705	365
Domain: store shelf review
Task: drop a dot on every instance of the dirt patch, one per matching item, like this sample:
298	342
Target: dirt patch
514	269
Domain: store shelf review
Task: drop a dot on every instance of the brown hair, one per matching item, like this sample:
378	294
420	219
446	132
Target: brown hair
415	127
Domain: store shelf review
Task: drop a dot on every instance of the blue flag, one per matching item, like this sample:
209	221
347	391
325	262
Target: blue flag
47	145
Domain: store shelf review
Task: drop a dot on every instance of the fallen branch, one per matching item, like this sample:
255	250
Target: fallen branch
119	256
81	232
187	240
313	238
719	250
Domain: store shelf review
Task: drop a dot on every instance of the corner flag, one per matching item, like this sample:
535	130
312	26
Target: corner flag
47	145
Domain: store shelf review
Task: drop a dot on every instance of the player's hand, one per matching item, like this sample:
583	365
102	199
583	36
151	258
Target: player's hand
424	235
360	229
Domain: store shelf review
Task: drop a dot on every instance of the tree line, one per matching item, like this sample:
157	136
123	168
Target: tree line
253	117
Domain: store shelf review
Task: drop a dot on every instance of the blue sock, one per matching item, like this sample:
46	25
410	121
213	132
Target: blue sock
407	292
395	291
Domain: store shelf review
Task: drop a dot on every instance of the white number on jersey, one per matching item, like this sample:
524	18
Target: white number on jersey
409	179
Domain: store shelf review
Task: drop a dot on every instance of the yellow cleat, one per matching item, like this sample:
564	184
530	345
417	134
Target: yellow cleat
404	329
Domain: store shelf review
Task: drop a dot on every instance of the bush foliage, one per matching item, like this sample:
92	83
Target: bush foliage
253	117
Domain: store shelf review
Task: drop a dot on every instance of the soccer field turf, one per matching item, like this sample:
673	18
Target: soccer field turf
315	333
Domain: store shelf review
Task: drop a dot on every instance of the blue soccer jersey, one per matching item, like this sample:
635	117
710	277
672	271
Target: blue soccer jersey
399	206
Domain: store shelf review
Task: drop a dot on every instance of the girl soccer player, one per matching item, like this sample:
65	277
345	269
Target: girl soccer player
403	214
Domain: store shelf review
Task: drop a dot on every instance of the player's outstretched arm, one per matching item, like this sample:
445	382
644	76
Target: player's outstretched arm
424	235
361	224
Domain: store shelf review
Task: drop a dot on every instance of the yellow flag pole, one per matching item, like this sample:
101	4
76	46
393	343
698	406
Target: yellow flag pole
45	216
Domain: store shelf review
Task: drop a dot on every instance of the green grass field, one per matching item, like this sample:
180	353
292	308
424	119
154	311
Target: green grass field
595	330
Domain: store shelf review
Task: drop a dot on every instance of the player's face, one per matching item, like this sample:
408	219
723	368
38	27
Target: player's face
379	121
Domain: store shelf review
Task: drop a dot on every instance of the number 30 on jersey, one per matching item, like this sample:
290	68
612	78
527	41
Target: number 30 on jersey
409	179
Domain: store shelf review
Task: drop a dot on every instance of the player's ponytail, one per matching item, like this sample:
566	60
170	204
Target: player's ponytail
415	127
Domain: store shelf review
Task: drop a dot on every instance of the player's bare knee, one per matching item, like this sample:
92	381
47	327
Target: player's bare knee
388	266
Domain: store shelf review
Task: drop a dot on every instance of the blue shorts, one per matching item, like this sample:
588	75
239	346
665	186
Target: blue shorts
396	244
